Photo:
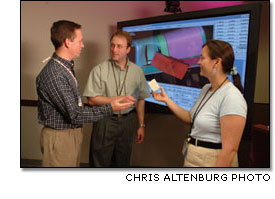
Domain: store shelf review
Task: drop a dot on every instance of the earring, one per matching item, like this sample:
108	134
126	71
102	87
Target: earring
214	70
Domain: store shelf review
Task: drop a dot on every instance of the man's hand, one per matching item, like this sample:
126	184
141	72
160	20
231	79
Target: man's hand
122	102
140	135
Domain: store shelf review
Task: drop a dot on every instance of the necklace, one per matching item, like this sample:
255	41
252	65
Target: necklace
123	84
199	108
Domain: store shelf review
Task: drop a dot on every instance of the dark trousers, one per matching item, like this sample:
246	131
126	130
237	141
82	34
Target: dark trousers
111	141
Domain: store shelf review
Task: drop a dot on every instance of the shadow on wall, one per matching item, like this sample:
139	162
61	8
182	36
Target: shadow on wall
91	56
88	59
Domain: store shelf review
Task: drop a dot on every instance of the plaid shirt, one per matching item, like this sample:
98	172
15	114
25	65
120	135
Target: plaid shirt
58	96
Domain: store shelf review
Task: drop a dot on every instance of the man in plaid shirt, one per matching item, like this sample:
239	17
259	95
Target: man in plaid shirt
60	108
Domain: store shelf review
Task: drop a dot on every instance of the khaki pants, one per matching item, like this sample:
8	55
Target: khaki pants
203	157
61	148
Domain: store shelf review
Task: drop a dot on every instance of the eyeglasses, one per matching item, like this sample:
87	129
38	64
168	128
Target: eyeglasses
118	46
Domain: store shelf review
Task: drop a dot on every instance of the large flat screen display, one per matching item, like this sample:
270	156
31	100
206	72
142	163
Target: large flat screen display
167	48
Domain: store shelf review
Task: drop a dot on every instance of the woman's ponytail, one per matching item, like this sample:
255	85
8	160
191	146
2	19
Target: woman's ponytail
236	78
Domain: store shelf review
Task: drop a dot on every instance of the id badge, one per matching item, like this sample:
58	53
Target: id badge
184	148
79	102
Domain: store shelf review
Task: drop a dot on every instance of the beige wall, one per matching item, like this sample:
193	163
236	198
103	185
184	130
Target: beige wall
99	20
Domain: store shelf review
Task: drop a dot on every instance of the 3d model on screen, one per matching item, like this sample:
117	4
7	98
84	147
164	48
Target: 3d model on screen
171	52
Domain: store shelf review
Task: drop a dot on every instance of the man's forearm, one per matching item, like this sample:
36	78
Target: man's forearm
99	100
140	111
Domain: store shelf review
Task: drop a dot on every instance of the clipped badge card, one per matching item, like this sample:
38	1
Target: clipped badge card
154	85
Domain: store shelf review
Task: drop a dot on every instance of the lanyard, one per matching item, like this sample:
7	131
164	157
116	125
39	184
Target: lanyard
79	98
199	108
67	70
123	84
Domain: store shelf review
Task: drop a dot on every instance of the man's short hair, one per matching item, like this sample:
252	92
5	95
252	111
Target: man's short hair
62	30
124	34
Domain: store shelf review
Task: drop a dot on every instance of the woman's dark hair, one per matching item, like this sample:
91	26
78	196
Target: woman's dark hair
223	50
62	30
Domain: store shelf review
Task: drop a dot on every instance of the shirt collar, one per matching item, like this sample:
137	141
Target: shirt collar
68	64
127	65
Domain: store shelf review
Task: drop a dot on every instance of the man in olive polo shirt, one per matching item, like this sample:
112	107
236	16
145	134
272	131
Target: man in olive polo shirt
112	137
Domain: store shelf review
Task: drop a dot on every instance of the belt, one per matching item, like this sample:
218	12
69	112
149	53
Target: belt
205	144
122	115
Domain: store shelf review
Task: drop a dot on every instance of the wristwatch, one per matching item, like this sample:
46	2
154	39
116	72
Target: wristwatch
142	125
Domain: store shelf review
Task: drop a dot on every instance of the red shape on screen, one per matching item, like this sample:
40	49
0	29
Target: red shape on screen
170	65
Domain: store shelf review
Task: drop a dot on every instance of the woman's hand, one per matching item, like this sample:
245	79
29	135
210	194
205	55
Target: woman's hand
162	96
181	113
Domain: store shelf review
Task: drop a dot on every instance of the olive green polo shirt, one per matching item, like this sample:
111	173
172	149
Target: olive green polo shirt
101	82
